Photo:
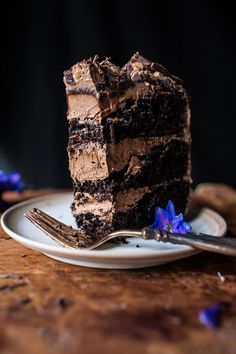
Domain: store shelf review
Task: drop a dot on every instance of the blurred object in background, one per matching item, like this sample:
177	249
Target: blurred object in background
9	182
194	40
218	197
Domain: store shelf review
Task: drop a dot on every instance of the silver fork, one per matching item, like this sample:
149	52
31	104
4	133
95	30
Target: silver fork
77	238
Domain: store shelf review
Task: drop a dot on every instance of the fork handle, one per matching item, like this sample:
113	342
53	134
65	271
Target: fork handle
223	245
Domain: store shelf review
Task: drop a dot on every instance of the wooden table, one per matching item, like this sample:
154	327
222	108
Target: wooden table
50	307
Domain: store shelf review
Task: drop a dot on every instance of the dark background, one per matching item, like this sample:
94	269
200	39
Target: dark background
195	40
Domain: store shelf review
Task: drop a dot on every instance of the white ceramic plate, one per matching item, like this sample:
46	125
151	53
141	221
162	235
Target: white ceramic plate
110	256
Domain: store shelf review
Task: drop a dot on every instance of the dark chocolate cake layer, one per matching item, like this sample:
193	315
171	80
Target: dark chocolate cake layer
129	142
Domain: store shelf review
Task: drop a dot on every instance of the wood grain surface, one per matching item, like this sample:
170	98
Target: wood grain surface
49	307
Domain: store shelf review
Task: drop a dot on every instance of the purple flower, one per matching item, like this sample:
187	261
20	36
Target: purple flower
168	220
9	182
210	317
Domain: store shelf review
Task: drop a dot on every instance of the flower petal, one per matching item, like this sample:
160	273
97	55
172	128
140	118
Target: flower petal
186	226
175	222
14	177
171	209
161	219
182	230
11	182
210	317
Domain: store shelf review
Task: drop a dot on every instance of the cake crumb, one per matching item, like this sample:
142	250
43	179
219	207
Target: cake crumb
222	278
156	74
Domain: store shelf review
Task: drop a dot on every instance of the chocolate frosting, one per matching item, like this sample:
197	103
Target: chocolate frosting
141	69
107	81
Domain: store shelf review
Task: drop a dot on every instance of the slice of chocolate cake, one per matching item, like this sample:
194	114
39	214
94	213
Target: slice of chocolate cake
129	143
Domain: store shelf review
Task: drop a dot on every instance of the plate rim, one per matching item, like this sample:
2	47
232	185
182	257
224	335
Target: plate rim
92	254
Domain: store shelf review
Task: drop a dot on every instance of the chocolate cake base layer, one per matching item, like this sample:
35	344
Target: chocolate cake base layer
142	214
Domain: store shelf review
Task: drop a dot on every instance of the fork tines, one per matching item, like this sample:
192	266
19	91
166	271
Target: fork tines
62	233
